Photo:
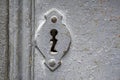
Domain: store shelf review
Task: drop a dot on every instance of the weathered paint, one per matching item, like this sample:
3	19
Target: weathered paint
94	53
95	47
4	64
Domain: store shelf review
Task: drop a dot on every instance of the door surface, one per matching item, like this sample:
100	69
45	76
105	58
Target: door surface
94	50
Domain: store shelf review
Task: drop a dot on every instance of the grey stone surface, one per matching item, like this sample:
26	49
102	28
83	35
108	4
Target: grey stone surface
3	39
95	49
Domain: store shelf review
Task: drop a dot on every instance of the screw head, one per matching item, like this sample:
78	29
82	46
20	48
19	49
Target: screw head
54	19
52	62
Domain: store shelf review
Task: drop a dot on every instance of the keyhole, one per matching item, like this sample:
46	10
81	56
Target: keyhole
53	33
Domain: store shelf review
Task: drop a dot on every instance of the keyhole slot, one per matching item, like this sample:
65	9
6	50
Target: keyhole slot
53	33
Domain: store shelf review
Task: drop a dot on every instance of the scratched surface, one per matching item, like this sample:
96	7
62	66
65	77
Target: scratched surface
3	39
95	30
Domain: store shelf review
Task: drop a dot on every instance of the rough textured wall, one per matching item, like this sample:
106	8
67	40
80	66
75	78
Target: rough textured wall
3	39
94	53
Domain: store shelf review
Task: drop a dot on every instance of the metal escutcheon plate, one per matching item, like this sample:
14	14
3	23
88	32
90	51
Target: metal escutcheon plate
53	39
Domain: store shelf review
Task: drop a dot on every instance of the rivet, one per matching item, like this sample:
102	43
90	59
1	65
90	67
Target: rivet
54	19
52	62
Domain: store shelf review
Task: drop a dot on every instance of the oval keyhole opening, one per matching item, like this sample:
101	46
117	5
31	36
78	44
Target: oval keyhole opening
53	41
